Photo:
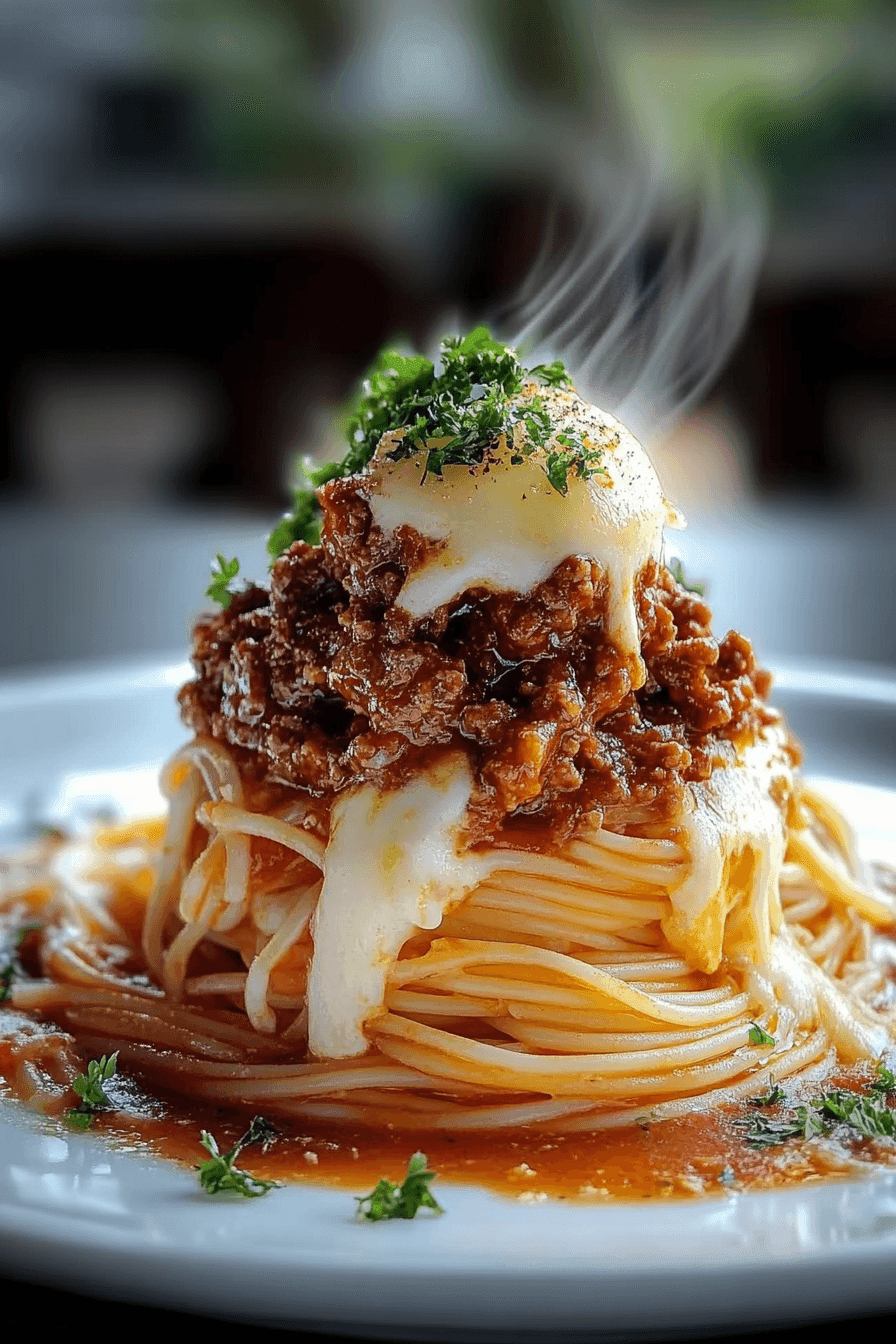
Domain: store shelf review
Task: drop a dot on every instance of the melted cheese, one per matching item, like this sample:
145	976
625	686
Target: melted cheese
735	833
393	863
795	984
392	867
504	527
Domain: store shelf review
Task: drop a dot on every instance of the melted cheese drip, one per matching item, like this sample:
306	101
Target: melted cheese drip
505	528
792	979
392	868
729	901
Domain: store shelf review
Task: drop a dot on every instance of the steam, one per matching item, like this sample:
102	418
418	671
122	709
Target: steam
647	300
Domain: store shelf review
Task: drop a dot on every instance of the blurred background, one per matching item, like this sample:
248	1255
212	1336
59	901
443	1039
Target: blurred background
213	213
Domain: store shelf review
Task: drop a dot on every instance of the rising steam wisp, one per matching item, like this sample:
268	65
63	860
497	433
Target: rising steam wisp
647	300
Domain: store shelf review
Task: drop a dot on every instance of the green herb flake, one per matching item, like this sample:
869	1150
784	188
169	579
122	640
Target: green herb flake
763	1132
302	523
388	1200
810	1122
219	1174
773	1097
219	590
554	375
676	569
759	1036
11	968
885	1080
865	1115
90	1088
452	411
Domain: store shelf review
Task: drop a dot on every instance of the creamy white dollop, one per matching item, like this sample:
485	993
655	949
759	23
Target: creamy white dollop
393	866
505	528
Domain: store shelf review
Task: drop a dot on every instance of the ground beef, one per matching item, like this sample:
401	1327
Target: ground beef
323	682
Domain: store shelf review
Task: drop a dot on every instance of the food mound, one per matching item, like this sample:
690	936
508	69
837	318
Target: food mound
327	681
481	825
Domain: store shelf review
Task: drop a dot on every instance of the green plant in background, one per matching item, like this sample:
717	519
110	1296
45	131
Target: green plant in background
798	89
297	93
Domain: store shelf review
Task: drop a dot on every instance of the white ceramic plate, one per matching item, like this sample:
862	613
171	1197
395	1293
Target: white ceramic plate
75	1215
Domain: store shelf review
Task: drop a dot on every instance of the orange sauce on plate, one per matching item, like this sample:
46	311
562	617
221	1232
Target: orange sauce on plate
698	1154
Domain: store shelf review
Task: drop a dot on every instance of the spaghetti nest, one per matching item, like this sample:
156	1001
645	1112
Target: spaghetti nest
549	996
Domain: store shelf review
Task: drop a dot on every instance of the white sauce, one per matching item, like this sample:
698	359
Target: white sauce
392	868
505	527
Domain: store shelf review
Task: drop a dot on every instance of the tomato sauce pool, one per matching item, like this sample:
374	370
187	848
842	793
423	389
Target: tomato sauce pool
698	1154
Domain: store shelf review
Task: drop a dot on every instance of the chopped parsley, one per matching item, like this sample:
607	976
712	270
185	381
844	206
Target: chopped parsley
219	1174
763	1132
302	523
773	1097
219	590
866	1114
90	1088
11	967
388	1200
451	411
885	1080
759	1036
676	569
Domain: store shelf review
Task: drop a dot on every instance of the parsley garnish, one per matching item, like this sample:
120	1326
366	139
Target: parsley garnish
219	589
762	1132
219	1174
554	375
302	523
676	569
773	1097
863	1114
885	1080
12	967
89	1087
451	412
388	1200
759	1036
867	1115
